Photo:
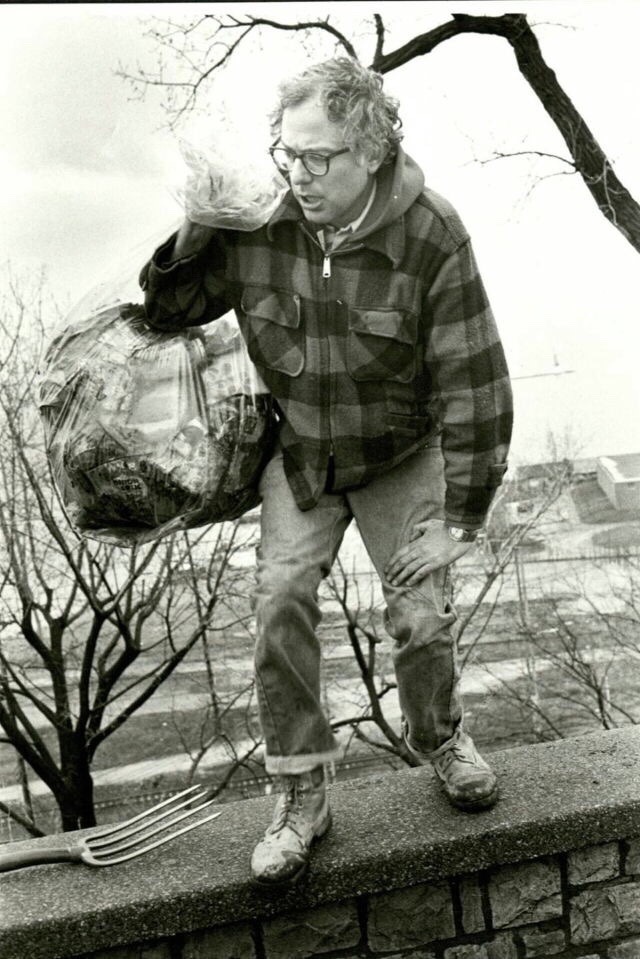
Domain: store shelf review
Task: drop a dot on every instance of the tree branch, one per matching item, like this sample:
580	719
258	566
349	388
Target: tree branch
21	820
499	155
379	38
613	199
302	25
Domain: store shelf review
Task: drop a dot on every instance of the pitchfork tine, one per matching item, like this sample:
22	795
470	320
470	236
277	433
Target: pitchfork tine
111	860
146	819
102	849
117	827
126	842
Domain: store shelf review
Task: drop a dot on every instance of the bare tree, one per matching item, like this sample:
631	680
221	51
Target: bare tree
88	632
502	540
193	51
582	664
226	715
365	638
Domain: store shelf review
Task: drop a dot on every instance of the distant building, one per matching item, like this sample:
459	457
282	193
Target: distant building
619	479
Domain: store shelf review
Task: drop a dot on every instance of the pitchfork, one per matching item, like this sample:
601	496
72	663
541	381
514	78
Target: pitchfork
110	846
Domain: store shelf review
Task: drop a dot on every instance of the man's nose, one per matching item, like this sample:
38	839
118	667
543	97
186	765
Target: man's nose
299	172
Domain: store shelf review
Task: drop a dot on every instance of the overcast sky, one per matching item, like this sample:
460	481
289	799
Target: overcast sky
89	174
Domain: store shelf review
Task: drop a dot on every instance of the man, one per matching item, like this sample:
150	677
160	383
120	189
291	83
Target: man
363	311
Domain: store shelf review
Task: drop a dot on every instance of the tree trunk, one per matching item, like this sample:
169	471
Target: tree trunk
612	198
76	802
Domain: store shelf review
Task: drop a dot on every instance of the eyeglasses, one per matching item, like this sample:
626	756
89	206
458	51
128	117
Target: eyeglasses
317	164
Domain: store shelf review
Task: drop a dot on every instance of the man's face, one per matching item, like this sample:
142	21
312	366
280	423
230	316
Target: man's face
339	196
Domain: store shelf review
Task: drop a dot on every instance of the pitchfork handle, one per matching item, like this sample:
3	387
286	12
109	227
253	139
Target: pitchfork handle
37	857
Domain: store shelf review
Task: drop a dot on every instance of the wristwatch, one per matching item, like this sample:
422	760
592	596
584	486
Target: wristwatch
462	535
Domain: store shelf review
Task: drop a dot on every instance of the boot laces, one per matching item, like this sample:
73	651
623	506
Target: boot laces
457	751
289	810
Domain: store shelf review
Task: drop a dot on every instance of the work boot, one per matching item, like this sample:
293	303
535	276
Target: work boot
466	778
301	815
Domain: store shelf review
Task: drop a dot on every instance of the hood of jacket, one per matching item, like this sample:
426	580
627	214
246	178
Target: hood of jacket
398	185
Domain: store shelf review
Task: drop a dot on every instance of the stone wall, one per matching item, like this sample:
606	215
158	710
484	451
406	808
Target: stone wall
552	871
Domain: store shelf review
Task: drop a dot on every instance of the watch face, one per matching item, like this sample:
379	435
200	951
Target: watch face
461	535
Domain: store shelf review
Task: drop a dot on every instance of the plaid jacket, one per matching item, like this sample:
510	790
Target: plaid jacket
385	346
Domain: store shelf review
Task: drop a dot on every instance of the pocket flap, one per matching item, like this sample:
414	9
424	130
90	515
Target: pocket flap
278	306
393	324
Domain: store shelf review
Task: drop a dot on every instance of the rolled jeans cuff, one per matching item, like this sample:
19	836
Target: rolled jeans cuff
429	756
296	765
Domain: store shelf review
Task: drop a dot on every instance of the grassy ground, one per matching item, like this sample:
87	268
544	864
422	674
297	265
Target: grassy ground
620	537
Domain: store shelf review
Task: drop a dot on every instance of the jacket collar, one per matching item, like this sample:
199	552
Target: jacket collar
388	240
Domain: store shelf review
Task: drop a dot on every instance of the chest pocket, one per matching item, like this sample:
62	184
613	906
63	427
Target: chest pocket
272	331
382	345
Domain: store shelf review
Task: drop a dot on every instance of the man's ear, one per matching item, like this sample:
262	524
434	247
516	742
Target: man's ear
371	164
374	163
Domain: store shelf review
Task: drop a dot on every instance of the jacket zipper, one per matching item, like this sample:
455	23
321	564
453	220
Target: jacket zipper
326	275
326	258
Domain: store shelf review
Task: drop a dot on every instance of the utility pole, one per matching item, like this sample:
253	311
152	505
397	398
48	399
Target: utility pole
525	618
522	589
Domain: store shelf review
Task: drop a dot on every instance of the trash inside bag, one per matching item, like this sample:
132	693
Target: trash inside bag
230	184
147	432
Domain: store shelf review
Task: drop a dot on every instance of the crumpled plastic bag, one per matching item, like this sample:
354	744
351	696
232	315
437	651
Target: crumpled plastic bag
225	192
147	432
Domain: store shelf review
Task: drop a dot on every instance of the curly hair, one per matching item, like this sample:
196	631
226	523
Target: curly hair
353	97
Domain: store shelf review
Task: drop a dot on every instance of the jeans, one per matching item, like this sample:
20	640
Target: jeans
296	551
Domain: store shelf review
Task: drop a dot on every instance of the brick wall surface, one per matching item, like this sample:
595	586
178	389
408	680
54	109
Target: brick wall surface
604	912
410	917
526	892
228	942
472	915
594	863
160	950
633	857
311	933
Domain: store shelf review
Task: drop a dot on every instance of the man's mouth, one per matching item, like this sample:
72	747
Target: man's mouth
309	201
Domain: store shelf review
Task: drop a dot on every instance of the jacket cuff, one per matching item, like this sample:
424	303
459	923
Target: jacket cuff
467	507
162	271
163	258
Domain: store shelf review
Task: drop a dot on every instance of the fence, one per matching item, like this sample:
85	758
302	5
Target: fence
607	554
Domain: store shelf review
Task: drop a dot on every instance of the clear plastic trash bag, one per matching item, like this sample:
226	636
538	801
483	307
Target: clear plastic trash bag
220	193
148	432
231	181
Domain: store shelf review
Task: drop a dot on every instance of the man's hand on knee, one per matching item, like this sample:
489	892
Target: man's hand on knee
429	548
